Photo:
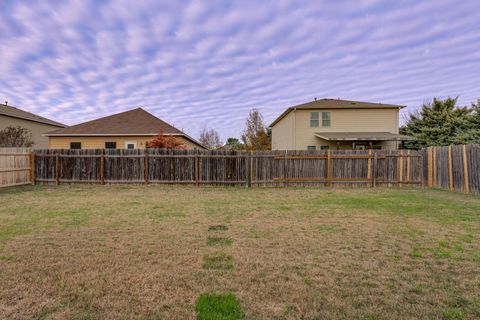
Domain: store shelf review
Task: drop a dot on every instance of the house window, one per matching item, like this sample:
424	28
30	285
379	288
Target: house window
313	119
110	145
75	145
325	119
130	144
324	147
311	148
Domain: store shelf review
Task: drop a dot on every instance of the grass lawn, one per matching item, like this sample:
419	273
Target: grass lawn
158	252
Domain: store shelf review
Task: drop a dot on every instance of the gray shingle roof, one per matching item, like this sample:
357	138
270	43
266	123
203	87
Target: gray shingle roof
132	122
18	113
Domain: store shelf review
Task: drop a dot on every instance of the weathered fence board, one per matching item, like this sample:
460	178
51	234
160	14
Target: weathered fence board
15	166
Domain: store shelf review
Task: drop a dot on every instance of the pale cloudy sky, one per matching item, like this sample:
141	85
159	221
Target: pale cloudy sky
206	63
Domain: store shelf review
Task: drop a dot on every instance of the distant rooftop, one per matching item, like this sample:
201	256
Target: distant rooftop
132	122
337	104
21	114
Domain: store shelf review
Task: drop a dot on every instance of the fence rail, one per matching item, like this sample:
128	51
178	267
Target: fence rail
15	166
455	168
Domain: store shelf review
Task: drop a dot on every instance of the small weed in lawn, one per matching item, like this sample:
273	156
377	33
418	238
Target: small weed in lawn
218	227
217	261
418	289
417	253
442	252
468	238
452	314
218	307
219	241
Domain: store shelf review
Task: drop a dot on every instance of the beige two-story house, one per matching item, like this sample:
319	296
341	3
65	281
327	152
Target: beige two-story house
338	124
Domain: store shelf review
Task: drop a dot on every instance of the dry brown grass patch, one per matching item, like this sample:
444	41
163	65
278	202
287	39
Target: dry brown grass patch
133	252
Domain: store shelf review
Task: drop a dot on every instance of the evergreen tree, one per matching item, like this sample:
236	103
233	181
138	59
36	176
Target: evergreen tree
442	123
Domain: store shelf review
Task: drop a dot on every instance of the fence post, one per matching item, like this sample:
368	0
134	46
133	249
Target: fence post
400	168
57	163
146	166
450	168
369	165
374	181
329	169
248	169
409	160
102	168
32	167
285	169
465	169
434	167
430	167
197	167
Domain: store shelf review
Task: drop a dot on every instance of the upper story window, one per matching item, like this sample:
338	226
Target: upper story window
75	145
325	119
314	119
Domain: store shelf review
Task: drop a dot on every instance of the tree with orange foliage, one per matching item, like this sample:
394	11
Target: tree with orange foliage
165	141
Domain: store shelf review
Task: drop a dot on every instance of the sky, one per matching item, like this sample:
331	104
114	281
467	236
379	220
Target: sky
205	64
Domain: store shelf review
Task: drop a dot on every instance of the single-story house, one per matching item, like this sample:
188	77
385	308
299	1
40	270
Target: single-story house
338	124
127	130
13	117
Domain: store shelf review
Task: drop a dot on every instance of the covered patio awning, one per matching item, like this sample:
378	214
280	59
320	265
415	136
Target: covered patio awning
362	136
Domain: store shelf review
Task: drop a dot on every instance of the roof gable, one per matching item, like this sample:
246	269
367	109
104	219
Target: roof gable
132	122
21	114
336	104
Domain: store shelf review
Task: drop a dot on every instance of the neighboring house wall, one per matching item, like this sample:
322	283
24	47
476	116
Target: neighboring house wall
36	128
99	142
282	133
341	120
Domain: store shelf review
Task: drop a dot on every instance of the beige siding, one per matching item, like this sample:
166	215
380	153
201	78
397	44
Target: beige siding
36	128
99	142
343	120
282	133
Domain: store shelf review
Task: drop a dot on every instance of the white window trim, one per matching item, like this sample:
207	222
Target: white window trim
131	142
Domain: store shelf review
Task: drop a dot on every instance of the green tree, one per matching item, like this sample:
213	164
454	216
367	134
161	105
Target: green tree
472	134
256	135
441	123
233	144
15	137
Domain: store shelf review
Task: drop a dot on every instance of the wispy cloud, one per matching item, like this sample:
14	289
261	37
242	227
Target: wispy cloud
207	63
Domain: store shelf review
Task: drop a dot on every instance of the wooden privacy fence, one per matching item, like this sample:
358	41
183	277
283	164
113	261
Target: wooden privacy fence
268	168
15	166
454	168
